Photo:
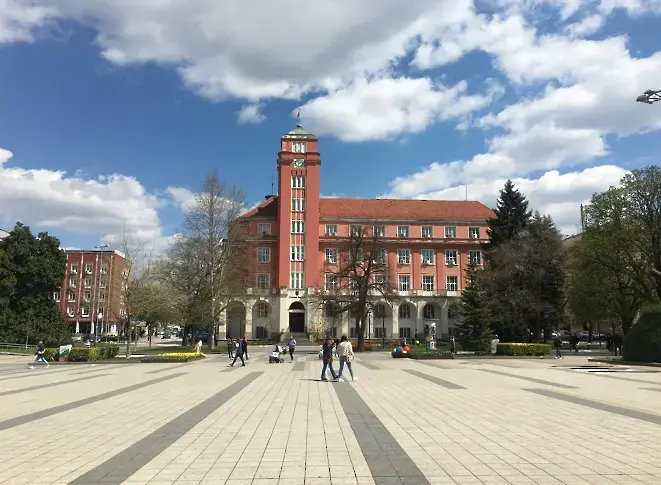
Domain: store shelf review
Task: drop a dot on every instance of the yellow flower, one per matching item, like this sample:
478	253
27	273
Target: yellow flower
180	354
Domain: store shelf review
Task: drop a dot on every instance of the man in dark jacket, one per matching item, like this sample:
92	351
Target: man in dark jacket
244	348
239	354
327	358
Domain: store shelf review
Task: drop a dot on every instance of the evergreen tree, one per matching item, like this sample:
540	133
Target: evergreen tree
512	216
474	330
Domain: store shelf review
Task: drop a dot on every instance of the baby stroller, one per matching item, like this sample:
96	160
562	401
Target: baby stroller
276	355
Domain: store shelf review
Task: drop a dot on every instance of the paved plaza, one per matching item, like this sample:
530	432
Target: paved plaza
478	421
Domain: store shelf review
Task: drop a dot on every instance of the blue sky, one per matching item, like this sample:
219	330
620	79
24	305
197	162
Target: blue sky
405	105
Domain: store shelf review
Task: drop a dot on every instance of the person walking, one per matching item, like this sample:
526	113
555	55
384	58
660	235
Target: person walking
336	346
244	348
346	353
238	354
557	343
327	357
292	347
230	348
573	341
452	345
40	356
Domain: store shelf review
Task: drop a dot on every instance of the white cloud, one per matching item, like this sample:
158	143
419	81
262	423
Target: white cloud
51	199
250	114
18	19
183	197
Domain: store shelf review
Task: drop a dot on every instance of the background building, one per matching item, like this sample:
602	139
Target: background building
92	293
3	234
294	233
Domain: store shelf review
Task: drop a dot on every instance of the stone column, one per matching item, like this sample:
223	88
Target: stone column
344	324
247	326
445	326
394	330
222	329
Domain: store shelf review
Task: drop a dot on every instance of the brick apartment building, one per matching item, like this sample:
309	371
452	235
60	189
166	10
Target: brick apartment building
294	235
91	295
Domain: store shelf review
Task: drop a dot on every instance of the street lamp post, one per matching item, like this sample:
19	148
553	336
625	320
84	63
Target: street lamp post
650	96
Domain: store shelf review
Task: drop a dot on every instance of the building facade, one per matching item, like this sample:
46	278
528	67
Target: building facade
92	293
3	234
293	236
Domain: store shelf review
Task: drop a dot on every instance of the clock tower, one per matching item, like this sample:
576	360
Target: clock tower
298	211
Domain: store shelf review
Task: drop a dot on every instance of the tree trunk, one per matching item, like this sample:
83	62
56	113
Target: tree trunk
128	337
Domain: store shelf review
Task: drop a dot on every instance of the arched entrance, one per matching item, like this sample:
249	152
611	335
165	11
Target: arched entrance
297	317
236	320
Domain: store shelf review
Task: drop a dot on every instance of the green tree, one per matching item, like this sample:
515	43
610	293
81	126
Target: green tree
33	269
512	216
474	330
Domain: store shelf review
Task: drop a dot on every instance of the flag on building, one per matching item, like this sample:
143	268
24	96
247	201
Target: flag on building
298	115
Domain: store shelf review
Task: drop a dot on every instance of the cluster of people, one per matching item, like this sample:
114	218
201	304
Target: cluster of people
237	349
337	348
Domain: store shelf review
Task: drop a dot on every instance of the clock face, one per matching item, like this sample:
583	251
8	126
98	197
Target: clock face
299	163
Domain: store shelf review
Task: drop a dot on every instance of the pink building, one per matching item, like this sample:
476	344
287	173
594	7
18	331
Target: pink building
294	236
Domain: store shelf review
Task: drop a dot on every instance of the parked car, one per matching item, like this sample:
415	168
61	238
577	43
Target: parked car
77	337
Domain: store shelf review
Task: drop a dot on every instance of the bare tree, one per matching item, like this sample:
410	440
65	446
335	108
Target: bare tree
360	277
213	245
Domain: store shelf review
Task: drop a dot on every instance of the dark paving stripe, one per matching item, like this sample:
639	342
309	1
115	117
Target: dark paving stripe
387	460
97	369
27	418
655	389
435	380
434	363
369	366
623	378
158	371
529	379
299	366
120	467
609	408
52	384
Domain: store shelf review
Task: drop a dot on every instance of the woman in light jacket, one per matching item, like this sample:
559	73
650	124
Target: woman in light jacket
346	353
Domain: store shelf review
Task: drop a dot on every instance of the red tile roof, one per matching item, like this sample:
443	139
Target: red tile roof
268	208
404	209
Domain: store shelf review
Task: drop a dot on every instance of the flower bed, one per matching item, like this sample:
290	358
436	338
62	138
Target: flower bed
366	347
522	349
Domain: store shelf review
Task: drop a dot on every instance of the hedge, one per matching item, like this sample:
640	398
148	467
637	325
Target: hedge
643	342
84	354
521	349
162	359
429	354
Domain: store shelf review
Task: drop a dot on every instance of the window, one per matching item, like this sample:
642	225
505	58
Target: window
428	282
427	256
74	267
298	147
428	312
355	229
88	281
402	231
451	257
352	332
71	311
56	295
331	229
332	331
404	282
261	333
379	332
451	232
298	182
85	311
298	227
263	255
452	283
380	256
72	282
451	314
475	257
405	332
379	279
296	280
298	205
87	296
331	255
100	314
330	310
102	296
403	256
71	296
262	309
331	282
474	232
104	268
263	281
264	229
88	268
405	311
380	230
427	231
102	282
298	253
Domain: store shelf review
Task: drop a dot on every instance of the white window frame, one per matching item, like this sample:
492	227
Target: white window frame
379	230
451	257
404	312
404	332
404	282
379	279
403	231
263	281
380	256
429	230
452	281
264	229
355	230
262	309
298	227
428	282
331	282
298	205
85	311
299	147
89	268
331	229
427	256
451	232
56	296
263	255
474	232
475	257
88	281
72	281
104	268
102	282
74	267
102	296
331	255
403	256
297	253
87	296
71	296
297	280
71	310
298	181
